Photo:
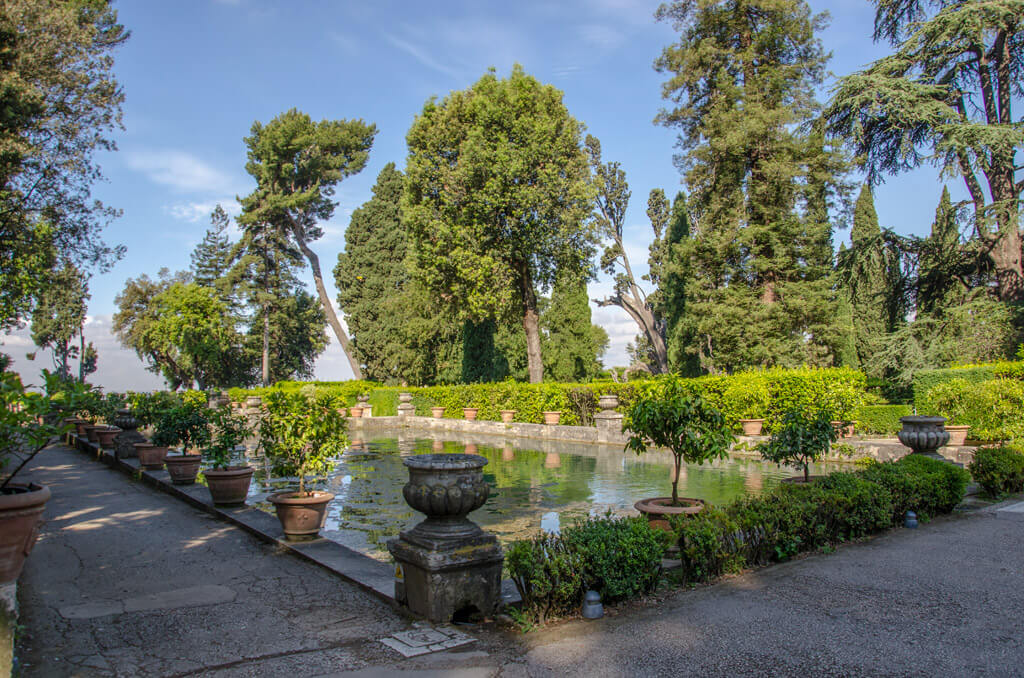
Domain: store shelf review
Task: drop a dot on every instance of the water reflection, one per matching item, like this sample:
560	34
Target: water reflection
530	489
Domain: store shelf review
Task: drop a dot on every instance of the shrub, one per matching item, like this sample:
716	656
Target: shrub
801	439
926	380
851	506
993	409
999	470
943	483
622	556
710	544
548	573
881	419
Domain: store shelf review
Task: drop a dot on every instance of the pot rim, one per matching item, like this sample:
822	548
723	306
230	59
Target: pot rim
229	471
182	458
445	462
35	496
290	498
922	419
650	506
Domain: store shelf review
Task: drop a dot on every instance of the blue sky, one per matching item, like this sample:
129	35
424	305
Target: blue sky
196	74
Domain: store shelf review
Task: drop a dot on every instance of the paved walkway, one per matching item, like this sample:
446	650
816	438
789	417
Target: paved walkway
127	581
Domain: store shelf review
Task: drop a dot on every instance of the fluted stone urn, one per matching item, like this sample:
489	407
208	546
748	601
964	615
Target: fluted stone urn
448	566
924	435
124	442
405	406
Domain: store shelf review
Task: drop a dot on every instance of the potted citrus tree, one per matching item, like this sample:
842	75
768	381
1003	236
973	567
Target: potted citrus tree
299	433
801	439
186	427
28	423
693	431
228	482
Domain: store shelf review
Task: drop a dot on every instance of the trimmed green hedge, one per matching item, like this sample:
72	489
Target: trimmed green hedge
926	380
880	419
999	470
993	409
763	394
552	572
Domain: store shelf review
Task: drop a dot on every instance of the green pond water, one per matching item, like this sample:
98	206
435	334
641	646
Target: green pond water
531	489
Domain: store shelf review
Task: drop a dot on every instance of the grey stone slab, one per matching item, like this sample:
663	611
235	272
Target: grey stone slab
1012	512
424	639
190	597
92	610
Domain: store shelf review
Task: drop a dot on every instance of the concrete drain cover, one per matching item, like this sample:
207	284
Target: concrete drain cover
424	639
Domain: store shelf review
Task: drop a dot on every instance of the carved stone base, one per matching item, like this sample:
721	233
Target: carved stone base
463	576
124	443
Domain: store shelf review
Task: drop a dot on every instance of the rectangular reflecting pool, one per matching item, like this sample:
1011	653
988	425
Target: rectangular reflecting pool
535	484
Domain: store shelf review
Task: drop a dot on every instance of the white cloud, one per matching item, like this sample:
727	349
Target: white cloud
181	171
422	56
196	211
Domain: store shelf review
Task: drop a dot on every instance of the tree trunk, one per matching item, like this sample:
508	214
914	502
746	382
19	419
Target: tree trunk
81	354
675	484
325	301
266	345
531	325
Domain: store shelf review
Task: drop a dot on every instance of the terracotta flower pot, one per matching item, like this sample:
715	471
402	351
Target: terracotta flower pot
80	427
844	429
229	486
470	413
752	427
301	516
183	468
551	418
658	509
437	412
508	415
355	412
106	436
151	457
21	508
90	433
957	435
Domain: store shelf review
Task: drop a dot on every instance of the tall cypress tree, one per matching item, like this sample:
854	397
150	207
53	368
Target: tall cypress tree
939	282
573	345
743	74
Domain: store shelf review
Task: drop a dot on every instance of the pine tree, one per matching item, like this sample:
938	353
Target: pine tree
743	74
211	259
573	345
942	263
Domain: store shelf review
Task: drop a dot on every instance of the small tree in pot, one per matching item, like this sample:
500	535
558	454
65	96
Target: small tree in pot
299	433
801	439
666	416
228	484
28	423
186	426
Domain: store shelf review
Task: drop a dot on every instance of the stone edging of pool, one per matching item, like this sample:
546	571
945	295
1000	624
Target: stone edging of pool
373	576
881	449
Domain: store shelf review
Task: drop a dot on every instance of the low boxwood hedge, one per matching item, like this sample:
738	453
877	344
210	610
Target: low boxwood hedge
880	419
999	470
620	556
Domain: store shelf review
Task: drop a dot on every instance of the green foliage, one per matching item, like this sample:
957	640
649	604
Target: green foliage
622	556
618	557
60	314
926	380
665	416
760	176
186	425
28	422
227	432
497	195
993	409
148	408
880	419
706	545
572	346
999	470
297	163
61	104
300	431
802	439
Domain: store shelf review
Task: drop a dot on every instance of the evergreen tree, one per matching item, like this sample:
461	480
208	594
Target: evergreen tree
743	74
211	259
573	345
943	265
670	298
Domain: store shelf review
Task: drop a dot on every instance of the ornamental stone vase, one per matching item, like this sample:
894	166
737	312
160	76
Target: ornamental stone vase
924	435
405	406
124	442
447	565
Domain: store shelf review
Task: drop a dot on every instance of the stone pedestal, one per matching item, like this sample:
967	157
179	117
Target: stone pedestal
448	566
405	406
124	442
364	405
924	435
608	421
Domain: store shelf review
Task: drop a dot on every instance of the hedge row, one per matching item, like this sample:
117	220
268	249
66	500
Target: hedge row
766	394
999	470
926	380
880	419
553	571
993	409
